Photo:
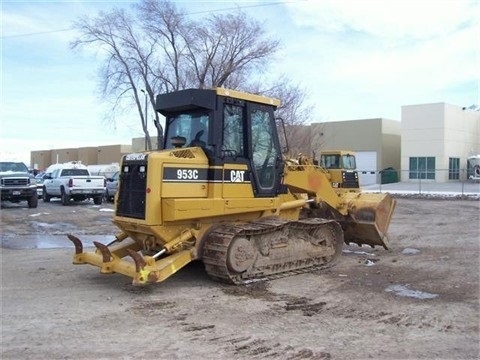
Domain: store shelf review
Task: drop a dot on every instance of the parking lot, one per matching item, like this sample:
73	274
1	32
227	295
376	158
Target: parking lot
418	300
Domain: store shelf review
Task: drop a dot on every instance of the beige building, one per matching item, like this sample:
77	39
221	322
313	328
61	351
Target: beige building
93	155
139	144
376	143
108	154
437	140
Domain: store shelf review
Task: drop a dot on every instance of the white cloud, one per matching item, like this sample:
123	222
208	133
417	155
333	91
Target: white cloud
377	55
419	19
432	64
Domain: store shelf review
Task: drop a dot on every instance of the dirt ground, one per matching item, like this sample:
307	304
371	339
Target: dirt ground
419	300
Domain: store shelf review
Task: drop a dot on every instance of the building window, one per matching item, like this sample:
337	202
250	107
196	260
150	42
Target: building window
422	168
453	168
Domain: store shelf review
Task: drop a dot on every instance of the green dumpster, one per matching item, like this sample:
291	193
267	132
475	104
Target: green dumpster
389	175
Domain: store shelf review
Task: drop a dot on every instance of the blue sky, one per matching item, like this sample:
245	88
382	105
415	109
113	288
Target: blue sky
357	59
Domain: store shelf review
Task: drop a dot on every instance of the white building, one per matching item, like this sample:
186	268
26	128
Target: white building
436	140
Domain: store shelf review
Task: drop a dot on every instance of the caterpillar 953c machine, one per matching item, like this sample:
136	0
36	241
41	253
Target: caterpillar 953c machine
221	192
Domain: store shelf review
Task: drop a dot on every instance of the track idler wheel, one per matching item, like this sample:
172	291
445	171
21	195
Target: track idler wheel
241	255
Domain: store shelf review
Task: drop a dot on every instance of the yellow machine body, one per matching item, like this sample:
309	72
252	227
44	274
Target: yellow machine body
241	208
342	169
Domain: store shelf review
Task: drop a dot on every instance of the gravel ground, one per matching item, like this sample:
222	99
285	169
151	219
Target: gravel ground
419	300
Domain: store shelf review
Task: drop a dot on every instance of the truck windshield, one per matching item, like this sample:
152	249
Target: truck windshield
13	166
190	128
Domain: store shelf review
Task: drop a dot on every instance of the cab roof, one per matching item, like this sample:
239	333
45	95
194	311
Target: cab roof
205	98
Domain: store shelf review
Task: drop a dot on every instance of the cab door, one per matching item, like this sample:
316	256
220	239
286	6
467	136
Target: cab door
264	150
49	183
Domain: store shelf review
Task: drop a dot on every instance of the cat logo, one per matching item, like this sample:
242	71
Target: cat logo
237	175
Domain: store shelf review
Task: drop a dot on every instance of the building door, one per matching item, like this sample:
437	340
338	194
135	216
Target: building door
366	167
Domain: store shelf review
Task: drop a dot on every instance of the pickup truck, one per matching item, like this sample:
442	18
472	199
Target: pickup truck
17	184
72	180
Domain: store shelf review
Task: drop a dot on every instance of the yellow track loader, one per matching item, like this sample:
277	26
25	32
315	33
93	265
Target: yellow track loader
342	169
221	192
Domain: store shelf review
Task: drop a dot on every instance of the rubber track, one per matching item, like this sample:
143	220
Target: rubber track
216	246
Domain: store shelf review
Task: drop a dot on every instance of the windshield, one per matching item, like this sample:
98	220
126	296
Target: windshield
330	161
349	162
187	129
13	166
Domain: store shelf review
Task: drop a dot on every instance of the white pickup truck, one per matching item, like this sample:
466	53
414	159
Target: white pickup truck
72	180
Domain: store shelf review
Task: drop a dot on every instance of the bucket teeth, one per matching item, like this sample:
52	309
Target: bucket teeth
106	254
140	262
77	242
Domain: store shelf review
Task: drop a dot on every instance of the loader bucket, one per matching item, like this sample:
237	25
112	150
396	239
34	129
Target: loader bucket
368	218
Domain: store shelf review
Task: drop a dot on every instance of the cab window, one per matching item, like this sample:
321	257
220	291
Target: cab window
190	127
233	139
264	150
349	162
330	161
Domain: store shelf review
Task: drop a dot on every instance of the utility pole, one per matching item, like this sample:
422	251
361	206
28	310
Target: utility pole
146	109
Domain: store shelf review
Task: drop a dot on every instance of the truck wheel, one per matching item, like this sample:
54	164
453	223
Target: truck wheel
65	198
33	201
46	197
97	200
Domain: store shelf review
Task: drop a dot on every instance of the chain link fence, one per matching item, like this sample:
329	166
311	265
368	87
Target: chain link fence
445	181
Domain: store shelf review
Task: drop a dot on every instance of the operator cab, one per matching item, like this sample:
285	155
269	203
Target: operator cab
231	127
341	167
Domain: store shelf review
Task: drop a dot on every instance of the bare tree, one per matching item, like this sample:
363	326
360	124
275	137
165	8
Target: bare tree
209	53
296	116
126	63
158	49
164	25
293	109
228	44
293	115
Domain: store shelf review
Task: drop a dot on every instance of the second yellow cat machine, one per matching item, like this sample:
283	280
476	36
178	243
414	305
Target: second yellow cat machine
222	192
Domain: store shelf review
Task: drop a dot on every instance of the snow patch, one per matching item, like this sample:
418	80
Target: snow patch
404	290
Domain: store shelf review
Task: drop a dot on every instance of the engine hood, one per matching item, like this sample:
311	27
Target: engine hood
4	174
